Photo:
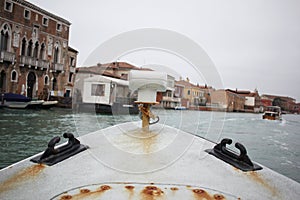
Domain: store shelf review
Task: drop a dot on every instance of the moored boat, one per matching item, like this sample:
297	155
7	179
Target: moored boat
35	104
180	108
12	100
48	104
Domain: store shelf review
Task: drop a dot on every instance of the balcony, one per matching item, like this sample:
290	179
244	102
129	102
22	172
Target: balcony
171	99
58	67
26	60
33	62
43	64
72	69
7	56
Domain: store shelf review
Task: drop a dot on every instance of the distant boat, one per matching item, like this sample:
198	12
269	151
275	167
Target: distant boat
272	113
180	108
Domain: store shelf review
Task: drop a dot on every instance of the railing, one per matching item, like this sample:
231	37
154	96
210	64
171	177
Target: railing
26	60
72	69
7	56
58	67
172	99
30	61
43	64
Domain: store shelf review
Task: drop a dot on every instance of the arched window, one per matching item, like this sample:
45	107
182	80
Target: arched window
23	48
54	84
14	76
42	52
36	50
56	52
46	80
29	48
5	38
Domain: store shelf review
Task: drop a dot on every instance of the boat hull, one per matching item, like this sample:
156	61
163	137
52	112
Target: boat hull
271	117
115	109
125	162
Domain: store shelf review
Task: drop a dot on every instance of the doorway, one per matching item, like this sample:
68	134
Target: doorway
31	83
3	81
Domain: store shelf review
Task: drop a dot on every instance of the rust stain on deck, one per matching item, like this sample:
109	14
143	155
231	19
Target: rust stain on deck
24	175
86	193
257	178
152	192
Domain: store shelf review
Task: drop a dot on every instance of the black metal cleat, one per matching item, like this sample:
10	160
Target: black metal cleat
54	155
241	161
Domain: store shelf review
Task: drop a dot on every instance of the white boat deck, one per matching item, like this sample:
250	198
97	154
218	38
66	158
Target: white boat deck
124	162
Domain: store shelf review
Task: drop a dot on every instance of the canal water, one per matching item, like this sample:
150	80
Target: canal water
274	144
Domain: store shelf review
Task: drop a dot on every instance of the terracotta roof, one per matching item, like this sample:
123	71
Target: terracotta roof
276	96
102	69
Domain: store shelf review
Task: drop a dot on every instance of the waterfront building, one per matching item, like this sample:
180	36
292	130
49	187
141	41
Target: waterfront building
169	99
36	59
225	100
287	104
252	99
192	96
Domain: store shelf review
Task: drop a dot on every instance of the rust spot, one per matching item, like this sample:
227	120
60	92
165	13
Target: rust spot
65	197
84	191
152	191
201	194
105	187
219	196
24	175
129	187
174	188
198	191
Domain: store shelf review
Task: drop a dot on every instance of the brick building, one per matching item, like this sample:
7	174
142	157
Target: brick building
35	55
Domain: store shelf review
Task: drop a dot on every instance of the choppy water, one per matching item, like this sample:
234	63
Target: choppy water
274	144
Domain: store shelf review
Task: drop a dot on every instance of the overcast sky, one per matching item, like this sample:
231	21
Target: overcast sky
253	43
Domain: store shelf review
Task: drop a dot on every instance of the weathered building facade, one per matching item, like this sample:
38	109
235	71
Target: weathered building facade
35	58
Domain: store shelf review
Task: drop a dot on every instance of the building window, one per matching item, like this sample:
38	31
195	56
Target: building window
14	76
29	48
8	6
46	80
5	38
4	41
98	90
70	77
36	50
27	14
23	49
45	21
72	62
56	53
58	27
42	52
